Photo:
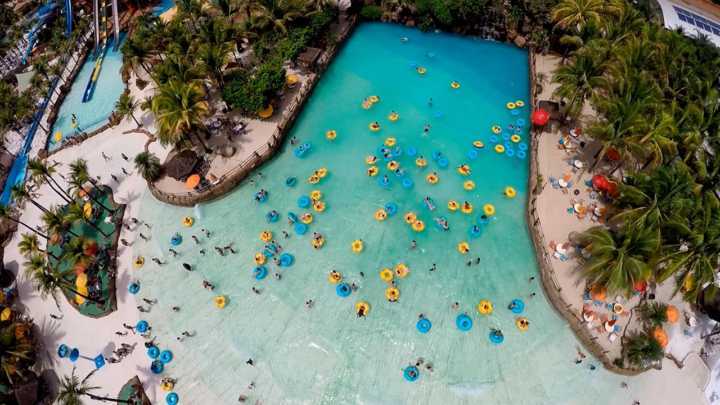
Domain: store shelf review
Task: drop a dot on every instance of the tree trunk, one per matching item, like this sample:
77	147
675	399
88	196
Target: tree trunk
135	119
202	143
107	399
60	188
59	192
17	221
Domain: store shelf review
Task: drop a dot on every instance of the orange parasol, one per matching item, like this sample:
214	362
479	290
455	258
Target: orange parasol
266	113
598	293
192	181
660	335
672	314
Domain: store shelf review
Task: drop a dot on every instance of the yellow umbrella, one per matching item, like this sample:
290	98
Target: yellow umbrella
267	112
5	315
87	210
81	281
292	79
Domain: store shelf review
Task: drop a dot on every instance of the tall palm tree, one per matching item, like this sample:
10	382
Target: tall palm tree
213	59
125	107
179	109
226	7
579	79
619	259
30	244
47	281
277	14
148	165
577	14
642	349
55	222
40	170
6	213
72	389
75	212
79	176
136	54
20	193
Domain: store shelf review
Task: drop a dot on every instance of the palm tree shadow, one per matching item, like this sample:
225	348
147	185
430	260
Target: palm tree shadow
121	284
51	335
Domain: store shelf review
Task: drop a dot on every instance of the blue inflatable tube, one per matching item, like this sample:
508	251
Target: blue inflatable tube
384	182
63	350
397	152
496	337
475	231
157	367
391	208
292	217
142	326
176	239
443	162
411	373
272	216
286	260
483	219
300	228
517	306
407	183
304	201
515	112
493	139
410	151
261	197
166	356
520	122
506	136
472	154
343	290
510	152
291	181
400	173
172	398
423	325
521	154
153	352
464	322
134	288
260	272
522	146
436	155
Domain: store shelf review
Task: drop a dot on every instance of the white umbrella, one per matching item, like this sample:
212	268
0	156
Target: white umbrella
578	164
562	183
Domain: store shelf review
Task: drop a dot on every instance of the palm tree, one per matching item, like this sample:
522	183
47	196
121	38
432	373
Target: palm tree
579	79
55	222
125	107
5	212
619	259
39	170
642	349
213	59
577	14
20	193
179	109
47	281
226	7
277	14
79	176
654	314
148	165
72	389
136	53
30	244
75	212
17	354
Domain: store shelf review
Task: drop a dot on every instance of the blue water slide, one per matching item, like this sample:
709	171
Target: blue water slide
68	18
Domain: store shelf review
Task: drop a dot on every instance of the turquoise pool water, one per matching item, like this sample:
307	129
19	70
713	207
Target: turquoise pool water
327	355
93	114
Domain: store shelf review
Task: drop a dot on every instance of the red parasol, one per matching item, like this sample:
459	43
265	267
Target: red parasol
600	182
640	286
540	117
613	154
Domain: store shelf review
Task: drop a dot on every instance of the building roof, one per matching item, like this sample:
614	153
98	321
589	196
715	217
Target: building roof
695	17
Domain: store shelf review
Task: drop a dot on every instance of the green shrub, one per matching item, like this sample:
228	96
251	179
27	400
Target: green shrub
371	12
252	92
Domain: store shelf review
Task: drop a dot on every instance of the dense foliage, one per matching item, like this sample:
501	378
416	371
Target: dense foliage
657	107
